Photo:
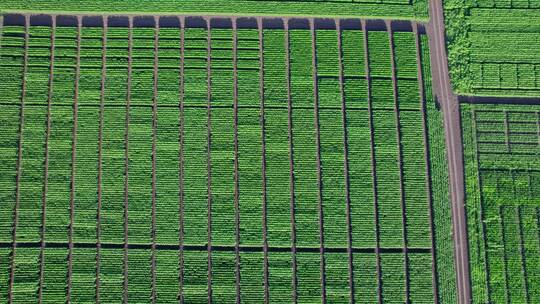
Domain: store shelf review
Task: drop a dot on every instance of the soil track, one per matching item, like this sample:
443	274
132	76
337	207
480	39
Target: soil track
452	127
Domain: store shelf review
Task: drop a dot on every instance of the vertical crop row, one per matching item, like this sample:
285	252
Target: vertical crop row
85	201
304	136
250	151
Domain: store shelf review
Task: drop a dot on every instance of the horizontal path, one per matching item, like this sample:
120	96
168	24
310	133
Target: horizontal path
198	20
500	100
231	248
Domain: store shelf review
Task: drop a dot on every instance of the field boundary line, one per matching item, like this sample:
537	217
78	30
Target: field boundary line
318	146
126	161
264	179
46	172
154	160
502	226
519	219
291	161
427	158
373	162
19	162
181	166
399	138
221	248
208	14
481	208
510	100
454	149
74	160
321	108
100	155
345	160
209	151
235	140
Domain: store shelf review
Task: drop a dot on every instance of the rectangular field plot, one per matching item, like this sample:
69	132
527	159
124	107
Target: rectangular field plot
502	153
253	160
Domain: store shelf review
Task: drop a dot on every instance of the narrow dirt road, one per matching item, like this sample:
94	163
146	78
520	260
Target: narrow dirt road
450	106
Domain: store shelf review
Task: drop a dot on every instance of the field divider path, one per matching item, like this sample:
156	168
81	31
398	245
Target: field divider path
538	126
235	139
519	220
502	225
100	154
395	95
257	107
74	160
181	95
19	161
46	169
154	158
208	151
126	160
454	147
263	144
507	132
346	161
291	162
481	208
318	146
373	162
219	248
429	186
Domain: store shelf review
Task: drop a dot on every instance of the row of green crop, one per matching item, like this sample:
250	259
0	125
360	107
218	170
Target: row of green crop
440	196
387	9
194	283
506	75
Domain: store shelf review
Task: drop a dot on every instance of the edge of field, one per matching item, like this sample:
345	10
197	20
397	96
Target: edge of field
414	12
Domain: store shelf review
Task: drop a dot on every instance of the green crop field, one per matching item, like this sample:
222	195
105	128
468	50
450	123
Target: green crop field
493	47
260	164
502	171
394	9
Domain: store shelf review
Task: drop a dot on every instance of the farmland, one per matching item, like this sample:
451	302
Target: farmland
395	9
252	160
493	47
503	200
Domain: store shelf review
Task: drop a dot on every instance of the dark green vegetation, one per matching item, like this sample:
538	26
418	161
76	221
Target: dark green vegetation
493	46
395	9
502	169
190	168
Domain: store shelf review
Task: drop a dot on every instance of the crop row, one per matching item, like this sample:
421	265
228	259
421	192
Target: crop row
223	284
503	266
438	174
401	9
507	75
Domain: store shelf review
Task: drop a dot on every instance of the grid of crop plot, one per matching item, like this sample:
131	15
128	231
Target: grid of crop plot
493	45
502	147
255	160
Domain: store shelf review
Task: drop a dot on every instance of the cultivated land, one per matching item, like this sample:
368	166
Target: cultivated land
493	47
258	158
503	201
388	9
259	161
